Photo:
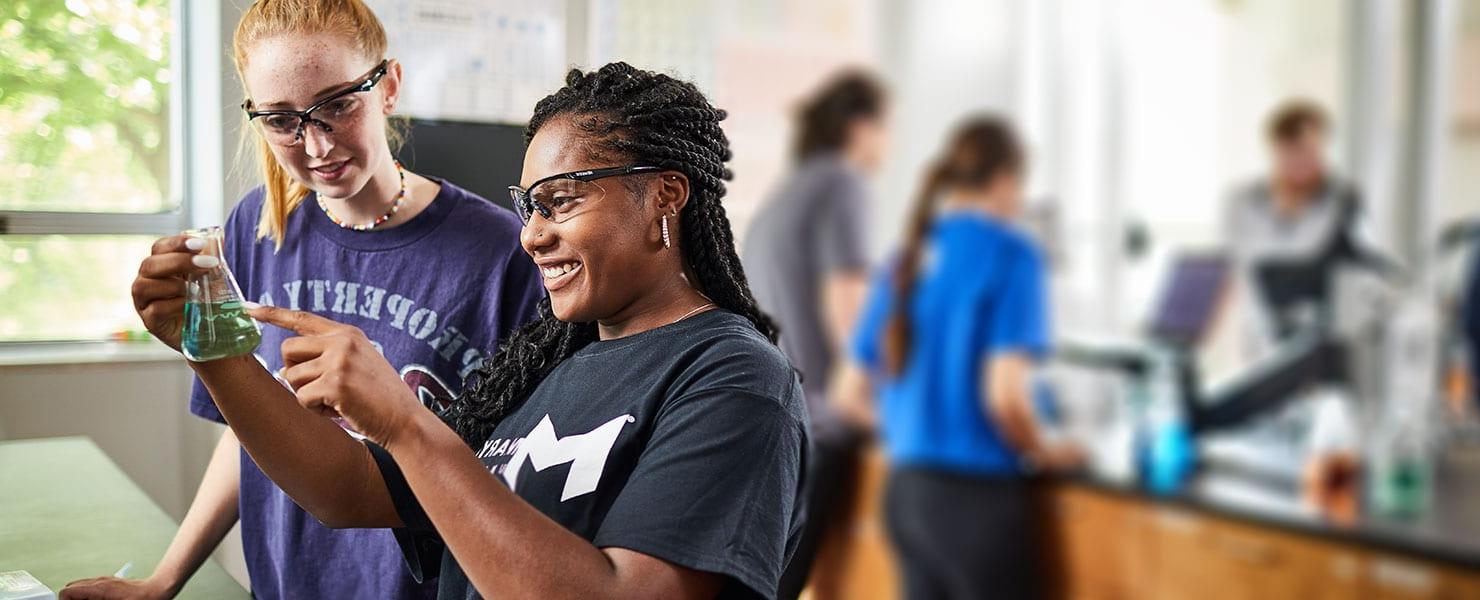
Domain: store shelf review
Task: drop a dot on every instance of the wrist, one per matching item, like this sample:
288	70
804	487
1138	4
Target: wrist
1033	461
222	364
165	583
414	431
1041	457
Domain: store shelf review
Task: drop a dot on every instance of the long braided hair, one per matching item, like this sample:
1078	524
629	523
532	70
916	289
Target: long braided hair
646	118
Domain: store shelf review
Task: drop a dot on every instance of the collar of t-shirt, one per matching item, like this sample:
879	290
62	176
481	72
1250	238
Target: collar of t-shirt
447	199
1319	198
973	211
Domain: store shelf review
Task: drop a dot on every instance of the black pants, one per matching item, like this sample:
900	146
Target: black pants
961	537
829	483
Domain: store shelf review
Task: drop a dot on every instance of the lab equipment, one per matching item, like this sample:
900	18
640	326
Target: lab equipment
216	326
1402	457
1168	455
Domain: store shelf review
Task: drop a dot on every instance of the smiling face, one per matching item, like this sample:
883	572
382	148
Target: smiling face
294	72
597	263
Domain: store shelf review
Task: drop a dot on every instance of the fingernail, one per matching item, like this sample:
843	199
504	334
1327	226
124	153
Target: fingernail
250	305
205	261
195	243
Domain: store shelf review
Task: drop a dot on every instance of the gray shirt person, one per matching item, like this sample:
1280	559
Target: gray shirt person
814	225
1257	232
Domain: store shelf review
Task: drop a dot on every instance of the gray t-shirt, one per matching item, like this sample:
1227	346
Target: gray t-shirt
1257	234
812	227
1256	231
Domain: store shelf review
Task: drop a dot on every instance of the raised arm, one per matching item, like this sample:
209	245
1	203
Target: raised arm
320	466
491	531
317	463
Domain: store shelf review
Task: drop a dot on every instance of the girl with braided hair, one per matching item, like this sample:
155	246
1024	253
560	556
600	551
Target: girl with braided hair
643	438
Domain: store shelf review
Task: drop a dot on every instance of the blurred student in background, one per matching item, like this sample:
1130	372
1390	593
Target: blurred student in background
947	343
807	257
1302	216
1299	238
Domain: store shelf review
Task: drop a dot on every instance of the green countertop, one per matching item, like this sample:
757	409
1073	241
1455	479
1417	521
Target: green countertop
67	513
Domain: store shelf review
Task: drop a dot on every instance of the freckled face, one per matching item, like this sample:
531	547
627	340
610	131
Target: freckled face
294	72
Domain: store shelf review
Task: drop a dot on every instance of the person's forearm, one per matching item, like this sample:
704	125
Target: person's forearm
493	533
1014	417
842	300
315	461
851	396
210	517
1010	405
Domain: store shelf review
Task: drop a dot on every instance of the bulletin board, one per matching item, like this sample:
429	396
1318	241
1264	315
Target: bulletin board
475	61
472	71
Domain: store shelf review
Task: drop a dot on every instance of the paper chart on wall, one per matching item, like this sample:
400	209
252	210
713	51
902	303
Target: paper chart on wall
475	60
670	36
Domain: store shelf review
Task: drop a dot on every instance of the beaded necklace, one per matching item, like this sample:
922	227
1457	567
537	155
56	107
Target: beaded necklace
395	206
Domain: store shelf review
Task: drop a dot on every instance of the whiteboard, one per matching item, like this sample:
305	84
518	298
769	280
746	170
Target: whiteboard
486	61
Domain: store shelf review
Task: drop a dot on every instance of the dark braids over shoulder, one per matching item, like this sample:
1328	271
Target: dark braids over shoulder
634	116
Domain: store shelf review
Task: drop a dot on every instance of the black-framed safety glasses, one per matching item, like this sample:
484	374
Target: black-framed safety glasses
286	127
560	197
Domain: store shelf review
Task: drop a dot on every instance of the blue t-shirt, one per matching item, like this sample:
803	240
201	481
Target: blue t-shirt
435	295
979	292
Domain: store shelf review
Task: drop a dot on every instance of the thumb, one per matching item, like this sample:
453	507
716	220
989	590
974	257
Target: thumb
297	321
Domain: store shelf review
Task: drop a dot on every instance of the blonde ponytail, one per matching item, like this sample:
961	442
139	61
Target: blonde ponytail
282	194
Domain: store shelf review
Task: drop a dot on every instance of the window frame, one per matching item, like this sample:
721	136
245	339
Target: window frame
196	177
40	222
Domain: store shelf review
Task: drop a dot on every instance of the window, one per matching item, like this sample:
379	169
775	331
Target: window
88	167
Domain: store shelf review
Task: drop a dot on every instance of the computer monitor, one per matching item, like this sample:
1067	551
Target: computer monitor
483	158
1190	300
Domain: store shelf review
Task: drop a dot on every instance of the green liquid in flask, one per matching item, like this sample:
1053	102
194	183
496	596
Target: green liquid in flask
217	330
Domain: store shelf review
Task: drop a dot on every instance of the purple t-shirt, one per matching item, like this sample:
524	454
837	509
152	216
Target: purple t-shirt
435	295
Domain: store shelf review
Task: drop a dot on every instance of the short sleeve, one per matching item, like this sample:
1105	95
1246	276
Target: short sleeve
420	543
864	346
1019	315
716	488
841	226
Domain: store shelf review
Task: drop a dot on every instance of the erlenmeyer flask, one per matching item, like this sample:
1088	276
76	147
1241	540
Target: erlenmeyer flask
215	324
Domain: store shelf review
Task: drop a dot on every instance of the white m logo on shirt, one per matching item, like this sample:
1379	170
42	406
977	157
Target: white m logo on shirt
586	452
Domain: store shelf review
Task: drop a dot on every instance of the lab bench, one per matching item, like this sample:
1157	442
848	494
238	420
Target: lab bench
67	512
1108	541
